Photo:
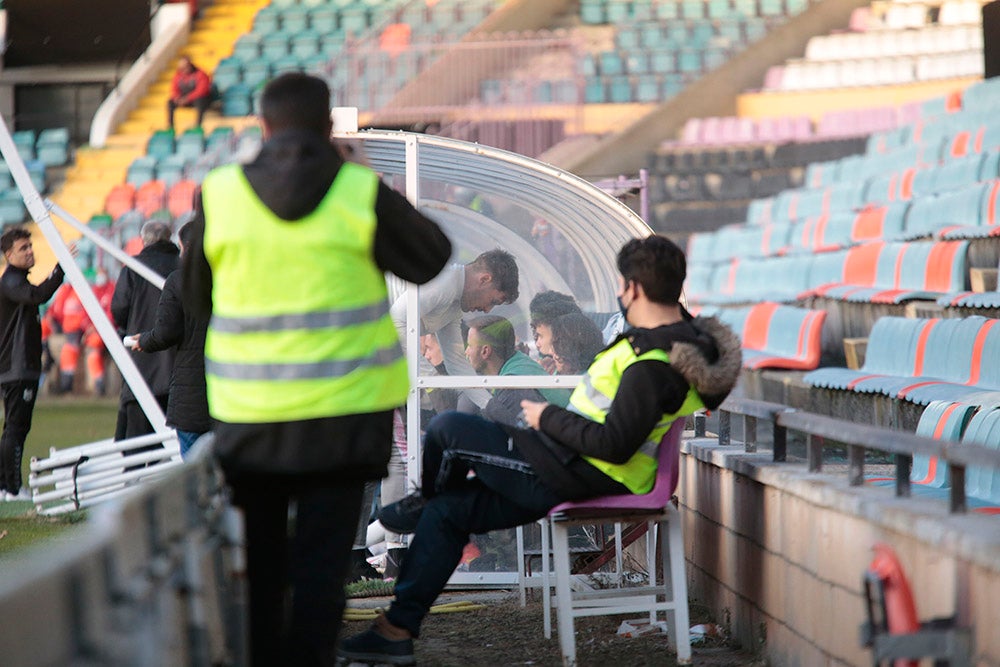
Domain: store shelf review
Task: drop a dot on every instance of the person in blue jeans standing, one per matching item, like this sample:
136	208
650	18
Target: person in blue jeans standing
175	325
480	476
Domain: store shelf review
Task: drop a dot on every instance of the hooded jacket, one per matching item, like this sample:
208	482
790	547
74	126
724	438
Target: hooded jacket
291	175
704	354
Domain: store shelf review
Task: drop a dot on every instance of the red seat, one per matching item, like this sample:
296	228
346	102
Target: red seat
119	200
150	197
180	198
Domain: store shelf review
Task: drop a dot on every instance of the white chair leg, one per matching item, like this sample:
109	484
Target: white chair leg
520	566
564	599
546	583
619	560
652	531
674	551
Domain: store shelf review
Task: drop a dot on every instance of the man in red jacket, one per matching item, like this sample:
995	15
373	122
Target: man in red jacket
191	87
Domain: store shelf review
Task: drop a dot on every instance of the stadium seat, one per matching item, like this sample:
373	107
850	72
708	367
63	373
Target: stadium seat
141	170
170	169
12	209
24	142
777	336
52	146
150	197
180	197
120	200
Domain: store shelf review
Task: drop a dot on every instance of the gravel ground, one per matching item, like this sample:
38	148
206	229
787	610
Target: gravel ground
504	633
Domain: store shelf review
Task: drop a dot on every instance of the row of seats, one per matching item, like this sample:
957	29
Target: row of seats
773	335
899	15
894	43
150	197
595	12
691	33
923	360
875	272
49	146
852	73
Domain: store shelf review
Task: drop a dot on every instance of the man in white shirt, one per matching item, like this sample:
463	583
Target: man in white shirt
488	281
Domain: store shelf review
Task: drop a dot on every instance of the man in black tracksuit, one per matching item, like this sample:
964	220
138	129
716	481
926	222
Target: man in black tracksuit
321	463
177	326
20	350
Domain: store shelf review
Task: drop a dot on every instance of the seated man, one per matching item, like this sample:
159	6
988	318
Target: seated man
190	87
492	350
605	442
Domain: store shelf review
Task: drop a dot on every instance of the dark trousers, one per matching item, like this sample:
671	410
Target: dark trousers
504	493
199	103
311	557
18	404
132	422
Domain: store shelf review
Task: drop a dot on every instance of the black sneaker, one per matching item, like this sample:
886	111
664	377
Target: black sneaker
374	649
360	567
402	517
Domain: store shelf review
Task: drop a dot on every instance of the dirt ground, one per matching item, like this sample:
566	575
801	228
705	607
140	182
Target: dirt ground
504	633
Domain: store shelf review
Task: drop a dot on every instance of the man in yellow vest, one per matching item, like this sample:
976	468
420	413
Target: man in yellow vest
604	442
303	364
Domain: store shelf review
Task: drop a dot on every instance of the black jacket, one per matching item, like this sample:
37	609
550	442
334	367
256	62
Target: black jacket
704	354
292	173
187	406
21	344
133	307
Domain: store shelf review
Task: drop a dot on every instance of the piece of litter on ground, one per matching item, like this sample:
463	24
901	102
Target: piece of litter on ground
3	534
703	631
640	626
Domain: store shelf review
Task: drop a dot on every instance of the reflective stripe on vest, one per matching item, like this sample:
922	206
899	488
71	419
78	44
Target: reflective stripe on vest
592	399
300	326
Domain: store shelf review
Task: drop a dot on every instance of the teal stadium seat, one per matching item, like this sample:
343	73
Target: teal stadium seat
52	146
191	144
238	100
248	47
141	170
294	19
324	19
161	144
24	142
36	172
305	44
286	64
6	180
267	20
275	45
255	73
12	209
227	73
171	169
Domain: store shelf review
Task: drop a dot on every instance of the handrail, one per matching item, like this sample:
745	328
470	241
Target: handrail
858	438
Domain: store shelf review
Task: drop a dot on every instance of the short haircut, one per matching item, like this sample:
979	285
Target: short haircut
11	235
296	101
502	268
186	234
546	306
154	231
657	264
497	332
576	340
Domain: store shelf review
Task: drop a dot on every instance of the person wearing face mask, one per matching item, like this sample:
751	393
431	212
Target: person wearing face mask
604	442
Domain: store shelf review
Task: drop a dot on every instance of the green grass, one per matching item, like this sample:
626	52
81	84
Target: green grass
56	423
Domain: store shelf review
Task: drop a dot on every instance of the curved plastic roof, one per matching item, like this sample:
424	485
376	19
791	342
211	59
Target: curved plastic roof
592	224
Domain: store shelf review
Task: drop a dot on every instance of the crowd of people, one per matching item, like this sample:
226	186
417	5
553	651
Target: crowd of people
276	331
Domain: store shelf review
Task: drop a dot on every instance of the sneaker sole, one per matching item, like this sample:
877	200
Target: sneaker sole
347	657
399	530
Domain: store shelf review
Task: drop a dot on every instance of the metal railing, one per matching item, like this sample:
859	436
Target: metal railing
821	432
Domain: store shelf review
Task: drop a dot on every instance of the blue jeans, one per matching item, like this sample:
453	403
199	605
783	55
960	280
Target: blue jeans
504	493
187	439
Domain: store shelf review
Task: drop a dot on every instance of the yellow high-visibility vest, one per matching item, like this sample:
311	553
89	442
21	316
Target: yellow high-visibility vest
593	396
300	324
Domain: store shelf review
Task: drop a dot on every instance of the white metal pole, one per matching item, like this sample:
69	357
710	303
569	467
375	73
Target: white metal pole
414	446
108	247
39	212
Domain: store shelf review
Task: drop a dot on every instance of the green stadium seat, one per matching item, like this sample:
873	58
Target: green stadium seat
52	146
305	44
191	144
267	20
24	141
275	45
247	47
324	19
255	73
294	19
141	171
238	100
161	144
592	12
286	64
12	209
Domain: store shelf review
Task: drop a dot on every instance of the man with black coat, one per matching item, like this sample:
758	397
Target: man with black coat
20	351
177	326
604	442
303	364
133	308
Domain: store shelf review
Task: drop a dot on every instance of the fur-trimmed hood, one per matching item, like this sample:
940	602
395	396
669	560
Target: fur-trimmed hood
702	349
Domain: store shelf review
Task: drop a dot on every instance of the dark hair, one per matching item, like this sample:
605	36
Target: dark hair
576	340
502	268
546	306
11	235
497	332
186	234
657	264
296	101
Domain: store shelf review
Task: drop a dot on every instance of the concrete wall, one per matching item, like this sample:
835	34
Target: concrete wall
778	554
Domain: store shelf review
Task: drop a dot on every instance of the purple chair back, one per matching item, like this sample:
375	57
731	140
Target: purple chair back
667	473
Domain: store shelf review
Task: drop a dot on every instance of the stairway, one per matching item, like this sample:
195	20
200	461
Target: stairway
97	170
